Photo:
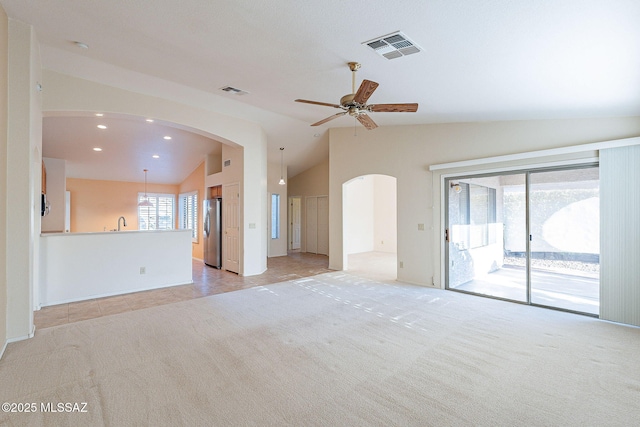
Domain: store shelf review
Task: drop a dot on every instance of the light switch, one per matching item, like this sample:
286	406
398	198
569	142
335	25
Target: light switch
420	227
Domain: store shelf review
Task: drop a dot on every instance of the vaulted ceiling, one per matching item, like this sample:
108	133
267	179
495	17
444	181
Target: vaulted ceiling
478	60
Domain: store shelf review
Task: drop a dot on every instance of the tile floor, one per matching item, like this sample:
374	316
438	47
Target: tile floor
206	281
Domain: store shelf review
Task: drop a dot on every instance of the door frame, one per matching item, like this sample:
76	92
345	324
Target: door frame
290	221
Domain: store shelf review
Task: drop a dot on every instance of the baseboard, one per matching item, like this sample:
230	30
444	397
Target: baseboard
4	347
20	338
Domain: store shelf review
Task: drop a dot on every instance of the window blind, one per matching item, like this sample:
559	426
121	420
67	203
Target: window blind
158	216
189	213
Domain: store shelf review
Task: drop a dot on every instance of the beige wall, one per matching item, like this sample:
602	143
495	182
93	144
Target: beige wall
4	37
277	247
195	182
312	182
96	205
406	152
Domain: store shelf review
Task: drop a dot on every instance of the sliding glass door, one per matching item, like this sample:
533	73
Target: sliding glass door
486	236
529	237
564	217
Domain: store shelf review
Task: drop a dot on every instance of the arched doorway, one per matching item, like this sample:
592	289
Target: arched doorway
370	226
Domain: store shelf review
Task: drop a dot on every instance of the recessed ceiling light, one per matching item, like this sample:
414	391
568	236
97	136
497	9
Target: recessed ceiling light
150	120
81	45
99	114
97	149
167	137
315	135
155	156
102	127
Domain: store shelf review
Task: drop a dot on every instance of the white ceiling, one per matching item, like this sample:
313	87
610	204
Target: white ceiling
481	60
127	145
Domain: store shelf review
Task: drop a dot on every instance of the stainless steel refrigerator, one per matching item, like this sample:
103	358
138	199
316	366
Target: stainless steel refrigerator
212	232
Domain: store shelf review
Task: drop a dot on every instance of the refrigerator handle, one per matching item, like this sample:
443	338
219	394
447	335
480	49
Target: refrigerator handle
207	224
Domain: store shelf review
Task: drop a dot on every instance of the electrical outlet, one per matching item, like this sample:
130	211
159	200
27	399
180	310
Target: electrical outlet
401	264
143	270
420	227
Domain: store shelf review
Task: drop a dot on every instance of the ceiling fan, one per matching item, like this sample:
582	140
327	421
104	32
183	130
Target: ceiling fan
355	103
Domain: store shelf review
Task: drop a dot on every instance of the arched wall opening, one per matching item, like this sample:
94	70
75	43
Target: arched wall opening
68	95
370	226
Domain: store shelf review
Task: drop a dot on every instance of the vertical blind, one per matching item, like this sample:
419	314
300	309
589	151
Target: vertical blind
620	234
160	215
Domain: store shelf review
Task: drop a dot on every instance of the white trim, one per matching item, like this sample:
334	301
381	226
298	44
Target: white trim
20	338
4	347
541	153
529	166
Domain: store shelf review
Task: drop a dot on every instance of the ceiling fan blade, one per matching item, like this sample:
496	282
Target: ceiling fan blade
393	108
367	122
365	91
326	104
335	116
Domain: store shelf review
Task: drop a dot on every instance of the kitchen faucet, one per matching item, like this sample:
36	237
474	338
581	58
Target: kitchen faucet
124	222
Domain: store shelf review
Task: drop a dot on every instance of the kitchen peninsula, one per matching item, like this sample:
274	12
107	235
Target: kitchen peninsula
81	266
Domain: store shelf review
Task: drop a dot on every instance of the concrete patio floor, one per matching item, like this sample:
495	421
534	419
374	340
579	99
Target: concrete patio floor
578	293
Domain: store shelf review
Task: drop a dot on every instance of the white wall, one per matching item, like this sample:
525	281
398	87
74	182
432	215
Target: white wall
358	215
370	214
406	153
385	227
113	261
56	182
24	157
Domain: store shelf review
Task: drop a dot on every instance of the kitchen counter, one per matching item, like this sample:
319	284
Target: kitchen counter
80	266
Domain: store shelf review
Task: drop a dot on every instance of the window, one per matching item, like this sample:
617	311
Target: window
275	216
189	213
158	216
478	210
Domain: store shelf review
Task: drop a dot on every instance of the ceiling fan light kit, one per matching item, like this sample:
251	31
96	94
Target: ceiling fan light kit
355	103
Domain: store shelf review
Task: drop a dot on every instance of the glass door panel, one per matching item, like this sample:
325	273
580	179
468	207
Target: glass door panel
565	246
486	223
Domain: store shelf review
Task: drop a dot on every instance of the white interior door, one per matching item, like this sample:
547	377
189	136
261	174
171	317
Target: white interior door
231	220
323	225
295	223
312	225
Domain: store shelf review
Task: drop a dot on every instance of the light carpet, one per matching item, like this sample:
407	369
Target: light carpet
330	350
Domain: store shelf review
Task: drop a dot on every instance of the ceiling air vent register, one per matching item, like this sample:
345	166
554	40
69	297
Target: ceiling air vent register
233	90
392	46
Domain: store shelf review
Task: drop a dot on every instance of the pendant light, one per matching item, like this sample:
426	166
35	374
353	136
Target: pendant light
281	167
145	201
